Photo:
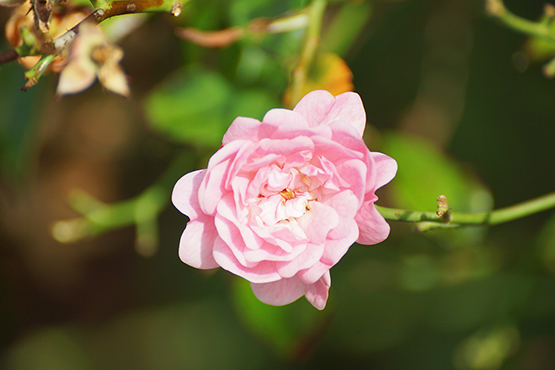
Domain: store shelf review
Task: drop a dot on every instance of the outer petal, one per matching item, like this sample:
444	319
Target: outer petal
320	108
348	107
317	293
334	250
315	106
279	116
313	274
386	168
242	128
279	292
197	242
185	194
213	186
373	227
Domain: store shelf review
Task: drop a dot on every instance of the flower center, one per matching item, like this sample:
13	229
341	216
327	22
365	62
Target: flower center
274	206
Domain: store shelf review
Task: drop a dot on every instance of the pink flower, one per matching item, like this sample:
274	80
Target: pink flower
283	199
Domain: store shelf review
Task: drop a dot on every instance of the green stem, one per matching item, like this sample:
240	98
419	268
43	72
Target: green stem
141	211
463	218
32	76
315	15
540	29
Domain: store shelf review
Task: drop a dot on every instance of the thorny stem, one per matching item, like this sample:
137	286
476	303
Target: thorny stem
300	72
103	10
452	219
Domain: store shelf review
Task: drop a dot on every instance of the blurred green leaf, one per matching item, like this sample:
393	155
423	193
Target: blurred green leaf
56	348
19	123
426	173
190	107
546	242
197	106
473	303
198	335
346	26
288	330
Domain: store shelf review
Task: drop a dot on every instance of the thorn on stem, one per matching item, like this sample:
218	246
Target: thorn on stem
495	7
443	208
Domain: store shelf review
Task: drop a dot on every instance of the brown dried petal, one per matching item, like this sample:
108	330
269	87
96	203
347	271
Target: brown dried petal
76	77
12	3
216	39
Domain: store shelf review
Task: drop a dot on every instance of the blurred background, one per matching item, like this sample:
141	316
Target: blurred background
455	97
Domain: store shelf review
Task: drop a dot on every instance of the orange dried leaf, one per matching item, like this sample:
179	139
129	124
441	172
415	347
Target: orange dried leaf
329	72
215	39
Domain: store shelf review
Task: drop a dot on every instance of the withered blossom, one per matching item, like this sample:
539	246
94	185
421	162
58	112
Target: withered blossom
92	55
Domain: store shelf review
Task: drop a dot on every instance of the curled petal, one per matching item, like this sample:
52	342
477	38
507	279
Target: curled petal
373	227
185	194
335	249
279	293
314	273
213	186
315	106
196	244
242	128
278	117
321	108
317	293
386	168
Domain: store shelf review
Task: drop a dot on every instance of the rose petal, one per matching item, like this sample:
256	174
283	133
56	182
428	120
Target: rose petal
238	236
196	243
318	222
373	227
345	204
242	128
278	117
315	106
213	186
321	108
309	257
386	168
317	293
334	250
279	293
348	107
185	194
314	273
263	272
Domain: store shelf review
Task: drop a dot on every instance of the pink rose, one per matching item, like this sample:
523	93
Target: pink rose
283	199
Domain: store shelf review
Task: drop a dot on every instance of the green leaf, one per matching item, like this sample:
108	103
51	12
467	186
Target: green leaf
349	21
426	173
198	106
546	242
286	329
190	107
18	125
